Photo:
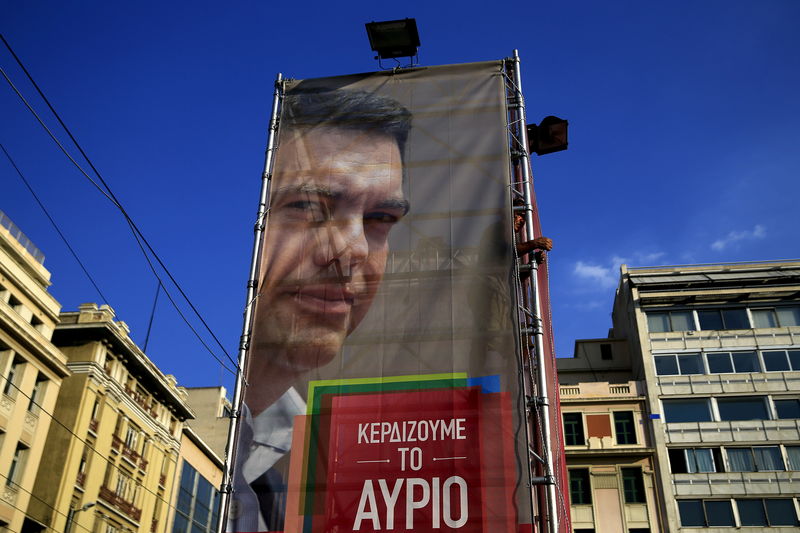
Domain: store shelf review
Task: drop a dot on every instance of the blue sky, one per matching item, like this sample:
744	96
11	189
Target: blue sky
683	138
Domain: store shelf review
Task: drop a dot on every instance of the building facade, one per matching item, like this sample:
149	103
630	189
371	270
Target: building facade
31	372
110	465
718	347
196	502
212	416
609	448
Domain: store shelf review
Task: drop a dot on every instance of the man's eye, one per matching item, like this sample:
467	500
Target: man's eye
309	209
381	217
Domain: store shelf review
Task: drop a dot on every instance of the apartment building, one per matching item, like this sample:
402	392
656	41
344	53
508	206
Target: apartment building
31	371
111	463
608	443
213	416
196	502
718	349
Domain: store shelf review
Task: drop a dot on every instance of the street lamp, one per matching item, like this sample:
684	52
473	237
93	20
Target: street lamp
72	512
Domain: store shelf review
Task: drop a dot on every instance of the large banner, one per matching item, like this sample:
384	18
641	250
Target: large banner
383	390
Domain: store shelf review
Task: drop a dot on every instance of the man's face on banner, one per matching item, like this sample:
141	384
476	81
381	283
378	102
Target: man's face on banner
335	195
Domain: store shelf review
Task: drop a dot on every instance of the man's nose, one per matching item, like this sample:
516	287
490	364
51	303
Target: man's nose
343	245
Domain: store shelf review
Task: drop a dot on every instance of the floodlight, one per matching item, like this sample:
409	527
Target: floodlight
548	137
393	38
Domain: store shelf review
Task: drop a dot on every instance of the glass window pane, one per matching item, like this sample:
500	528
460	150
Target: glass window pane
666	365
682	321
793	455
580	490
768	458
704	462
710	319
633	485
719	513
741	460
743	408
751	512
788	316
794	358
658	322
690	363
690	410
573	429
735	319
745	362
787	408
691	512
775	361
624	428
764	318
719	363
780	512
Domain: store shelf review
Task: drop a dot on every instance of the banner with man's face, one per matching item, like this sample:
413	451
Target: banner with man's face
383	390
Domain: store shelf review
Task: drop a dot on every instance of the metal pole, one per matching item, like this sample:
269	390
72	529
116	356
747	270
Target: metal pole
252	289
538	335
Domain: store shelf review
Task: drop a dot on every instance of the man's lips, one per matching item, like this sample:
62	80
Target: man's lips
327	299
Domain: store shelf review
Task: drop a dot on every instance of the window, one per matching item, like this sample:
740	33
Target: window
756	459
793	457
580	489
689	363
9	388
768	512
624	427
727	362
776	317
670	321
695	460
705	513
787	408
742	408
573	429
17	464
38	393
632	485
605	352
716	319
781	360
197	508
687	410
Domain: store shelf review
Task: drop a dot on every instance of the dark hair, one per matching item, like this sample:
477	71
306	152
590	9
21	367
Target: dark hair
342	108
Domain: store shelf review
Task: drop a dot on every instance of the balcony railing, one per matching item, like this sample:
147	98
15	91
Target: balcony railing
93	424
154	526
120	503
601	390
129	453
81	479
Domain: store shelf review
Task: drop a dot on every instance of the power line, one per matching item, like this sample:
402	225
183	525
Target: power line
110	195
53	222
32	495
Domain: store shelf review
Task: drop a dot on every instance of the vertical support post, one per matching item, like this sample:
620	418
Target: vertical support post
543	402
252	291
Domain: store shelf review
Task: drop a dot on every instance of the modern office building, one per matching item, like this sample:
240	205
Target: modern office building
196	502
31	371
110	465
609	448
718	347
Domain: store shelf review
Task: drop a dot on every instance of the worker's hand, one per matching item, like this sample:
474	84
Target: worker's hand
540	257
542	243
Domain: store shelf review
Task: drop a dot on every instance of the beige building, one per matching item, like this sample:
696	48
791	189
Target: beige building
212	416
608	443
31	372
110	466
718	347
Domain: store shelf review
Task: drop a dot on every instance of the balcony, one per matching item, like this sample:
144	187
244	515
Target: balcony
601	391
725	339
745	431
162	480
119	503
154	526
80	479
140	399
737	484
763	382
93	424
128	453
